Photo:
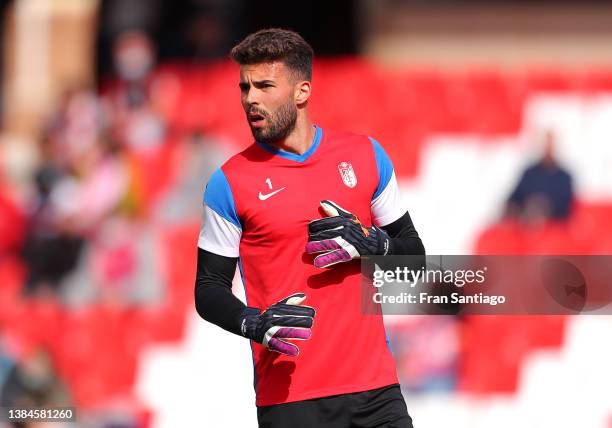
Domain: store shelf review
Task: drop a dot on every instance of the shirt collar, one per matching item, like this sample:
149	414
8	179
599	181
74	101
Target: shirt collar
294	156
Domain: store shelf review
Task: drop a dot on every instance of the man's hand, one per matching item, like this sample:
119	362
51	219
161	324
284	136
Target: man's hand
286	319
341	237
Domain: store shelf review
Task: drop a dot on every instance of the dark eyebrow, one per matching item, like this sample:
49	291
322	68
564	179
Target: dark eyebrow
256	83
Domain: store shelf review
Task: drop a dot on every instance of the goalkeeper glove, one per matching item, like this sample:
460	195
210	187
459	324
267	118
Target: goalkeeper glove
341	237
286	319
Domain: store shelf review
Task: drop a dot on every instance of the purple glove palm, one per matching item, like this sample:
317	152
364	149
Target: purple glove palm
341	237
284	320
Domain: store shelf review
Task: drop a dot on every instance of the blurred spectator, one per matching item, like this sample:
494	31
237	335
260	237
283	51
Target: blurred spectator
51	244
134	58
122	263
141	129
82	179
544	190
49	258
195	160
75	128
426	350
33	382
133	116
6	363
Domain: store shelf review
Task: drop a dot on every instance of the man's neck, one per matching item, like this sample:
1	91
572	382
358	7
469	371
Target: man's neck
300	139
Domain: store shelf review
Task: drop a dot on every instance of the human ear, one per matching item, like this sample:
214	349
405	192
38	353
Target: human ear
302	92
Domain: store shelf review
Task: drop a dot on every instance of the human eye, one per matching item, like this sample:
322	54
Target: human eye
265	85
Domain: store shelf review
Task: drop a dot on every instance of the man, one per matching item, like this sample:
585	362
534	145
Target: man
544	191
264	212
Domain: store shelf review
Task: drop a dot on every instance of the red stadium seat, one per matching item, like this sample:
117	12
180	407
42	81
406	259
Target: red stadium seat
12	277
495	349
547	80
96	348
549	238
589	226
502	238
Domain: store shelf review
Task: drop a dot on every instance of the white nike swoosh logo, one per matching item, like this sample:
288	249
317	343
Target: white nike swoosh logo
263	197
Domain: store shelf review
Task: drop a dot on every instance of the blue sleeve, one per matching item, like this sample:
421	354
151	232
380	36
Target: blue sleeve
384	166
219	198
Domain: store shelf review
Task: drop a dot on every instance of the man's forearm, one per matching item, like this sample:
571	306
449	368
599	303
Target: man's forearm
404	238
214	299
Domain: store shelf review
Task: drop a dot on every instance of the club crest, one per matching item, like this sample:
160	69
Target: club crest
348	174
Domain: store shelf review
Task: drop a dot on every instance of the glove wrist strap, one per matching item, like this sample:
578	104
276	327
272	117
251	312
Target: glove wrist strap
246	320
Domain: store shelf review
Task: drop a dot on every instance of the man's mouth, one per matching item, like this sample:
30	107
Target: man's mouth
256	119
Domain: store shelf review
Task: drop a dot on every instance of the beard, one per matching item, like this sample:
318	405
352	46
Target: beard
279	124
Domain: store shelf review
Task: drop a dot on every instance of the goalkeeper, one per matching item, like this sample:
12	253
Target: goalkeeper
293	211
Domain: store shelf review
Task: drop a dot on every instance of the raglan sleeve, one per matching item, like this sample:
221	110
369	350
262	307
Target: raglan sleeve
388	211
221	227
386	204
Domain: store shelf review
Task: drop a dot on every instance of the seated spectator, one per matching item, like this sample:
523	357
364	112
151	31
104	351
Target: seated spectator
51	246
544	190
33	382
6	363
194	161
77	187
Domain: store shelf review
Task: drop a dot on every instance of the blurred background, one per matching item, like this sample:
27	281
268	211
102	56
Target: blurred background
114	113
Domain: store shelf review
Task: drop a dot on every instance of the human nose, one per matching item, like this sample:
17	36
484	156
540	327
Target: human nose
251	97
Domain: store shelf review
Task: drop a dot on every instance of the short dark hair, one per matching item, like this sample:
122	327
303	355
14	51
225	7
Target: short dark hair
276	44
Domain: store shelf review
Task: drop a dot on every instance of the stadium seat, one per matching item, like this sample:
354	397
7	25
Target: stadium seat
505	237
99	346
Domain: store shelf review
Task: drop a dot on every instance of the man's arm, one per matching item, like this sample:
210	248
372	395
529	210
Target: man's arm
214	299
341	237
388	210
404	239
286	320
218	250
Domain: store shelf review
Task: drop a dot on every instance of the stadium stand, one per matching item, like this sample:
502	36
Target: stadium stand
102	343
